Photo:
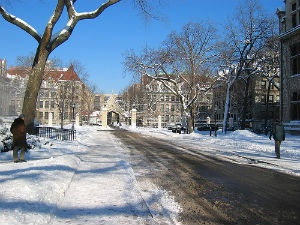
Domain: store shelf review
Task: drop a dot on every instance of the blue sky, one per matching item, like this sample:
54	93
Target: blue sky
99	44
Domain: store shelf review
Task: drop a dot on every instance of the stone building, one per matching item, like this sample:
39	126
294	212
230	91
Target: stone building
289	29
12	90
262	106
153	100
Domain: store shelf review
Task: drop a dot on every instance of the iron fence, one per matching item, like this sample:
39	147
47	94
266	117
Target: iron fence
56	133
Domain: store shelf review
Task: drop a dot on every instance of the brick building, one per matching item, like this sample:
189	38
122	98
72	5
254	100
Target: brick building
62	95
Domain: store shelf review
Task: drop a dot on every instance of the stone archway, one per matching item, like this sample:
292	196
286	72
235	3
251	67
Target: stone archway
112	113
113	118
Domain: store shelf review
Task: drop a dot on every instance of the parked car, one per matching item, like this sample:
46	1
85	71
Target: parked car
170	126
178	128
207	127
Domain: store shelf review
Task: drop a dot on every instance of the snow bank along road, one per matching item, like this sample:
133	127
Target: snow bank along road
210	190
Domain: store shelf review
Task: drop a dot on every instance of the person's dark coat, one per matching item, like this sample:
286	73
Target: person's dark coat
18	129
278	132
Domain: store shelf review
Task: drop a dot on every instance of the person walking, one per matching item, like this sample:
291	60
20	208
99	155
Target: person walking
278	134
18	129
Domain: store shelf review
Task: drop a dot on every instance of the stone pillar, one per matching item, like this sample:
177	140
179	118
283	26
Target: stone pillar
208	120
159	122
50	119
133	118
77	119
104	117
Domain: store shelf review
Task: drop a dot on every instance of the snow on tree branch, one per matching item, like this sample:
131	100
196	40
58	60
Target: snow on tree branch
21	24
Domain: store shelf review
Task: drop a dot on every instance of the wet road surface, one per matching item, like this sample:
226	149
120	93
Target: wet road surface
213	191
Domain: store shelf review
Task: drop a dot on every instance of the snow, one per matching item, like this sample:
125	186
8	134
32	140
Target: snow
241	146
90	180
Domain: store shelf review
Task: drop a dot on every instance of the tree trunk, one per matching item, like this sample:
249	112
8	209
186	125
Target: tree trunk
267	109
32	89
227	105
245	104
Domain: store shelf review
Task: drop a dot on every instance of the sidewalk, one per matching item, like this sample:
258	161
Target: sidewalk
90	182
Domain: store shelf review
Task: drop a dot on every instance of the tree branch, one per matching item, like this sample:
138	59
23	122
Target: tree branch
97	12
21	24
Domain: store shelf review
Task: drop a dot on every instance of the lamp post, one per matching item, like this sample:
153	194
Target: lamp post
73	105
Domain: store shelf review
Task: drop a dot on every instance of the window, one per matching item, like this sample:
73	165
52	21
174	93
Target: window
172	108
263	84
167	107
294	6
263	99
162	98
41	104
154	107
167	118
167	98
172	118
46	115
41	115
53	94
271	98
52	104
173	98
47	104
295	106
277	98
162	108
295	59
294	20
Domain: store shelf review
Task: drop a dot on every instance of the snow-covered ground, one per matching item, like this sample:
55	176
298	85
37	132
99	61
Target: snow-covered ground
241	146
90	181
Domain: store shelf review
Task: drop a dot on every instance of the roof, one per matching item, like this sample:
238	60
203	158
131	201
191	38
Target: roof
55	74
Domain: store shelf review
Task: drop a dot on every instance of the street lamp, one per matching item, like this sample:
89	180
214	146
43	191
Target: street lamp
73	105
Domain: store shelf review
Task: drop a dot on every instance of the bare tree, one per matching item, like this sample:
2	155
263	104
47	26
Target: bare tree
181	58
247	32
48	41
269	69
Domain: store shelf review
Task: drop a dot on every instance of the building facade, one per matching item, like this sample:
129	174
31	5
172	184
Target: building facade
11	92
153	101
262	103
61	98
289	29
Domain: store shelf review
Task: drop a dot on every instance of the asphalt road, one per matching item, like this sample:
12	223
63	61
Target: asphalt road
213	191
